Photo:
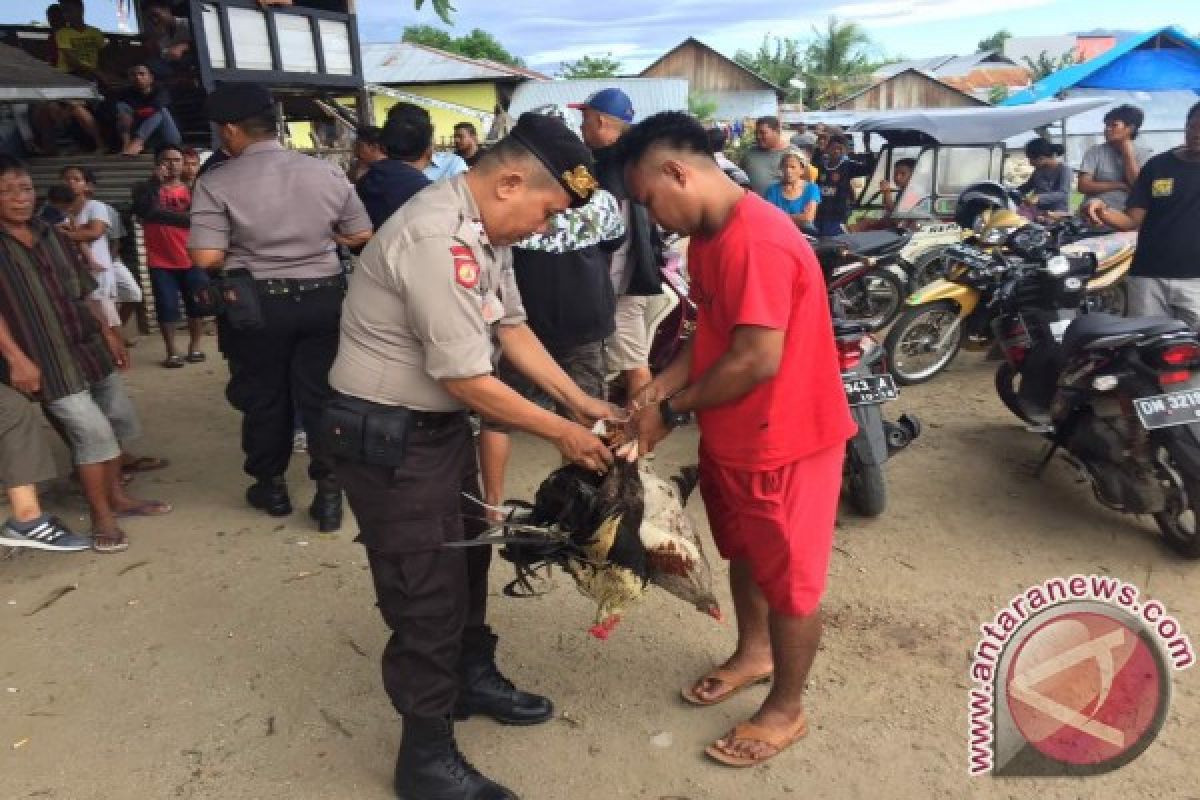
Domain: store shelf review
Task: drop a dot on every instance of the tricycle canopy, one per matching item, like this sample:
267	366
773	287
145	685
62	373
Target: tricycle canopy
969	126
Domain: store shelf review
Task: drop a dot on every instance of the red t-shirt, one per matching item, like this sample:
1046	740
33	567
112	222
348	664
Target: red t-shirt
166	245
759	270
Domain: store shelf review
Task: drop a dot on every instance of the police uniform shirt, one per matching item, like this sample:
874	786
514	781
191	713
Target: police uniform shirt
274	211
423	303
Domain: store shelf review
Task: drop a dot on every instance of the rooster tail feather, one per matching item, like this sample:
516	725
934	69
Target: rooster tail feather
686	480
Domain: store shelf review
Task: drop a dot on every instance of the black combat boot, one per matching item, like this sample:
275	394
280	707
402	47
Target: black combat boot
483	690
430	767
326	506
270	495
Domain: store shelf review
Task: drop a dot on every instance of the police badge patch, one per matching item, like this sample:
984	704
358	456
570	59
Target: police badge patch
466	269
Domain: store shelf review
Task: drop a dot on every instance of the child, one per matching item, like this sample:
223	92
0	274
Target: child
88	226
837	195
902	172
127	292
1049	187
795	195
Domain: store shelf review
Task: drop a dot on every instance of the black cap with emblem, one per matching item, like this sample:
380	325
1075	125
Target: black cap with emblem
234	102
561	151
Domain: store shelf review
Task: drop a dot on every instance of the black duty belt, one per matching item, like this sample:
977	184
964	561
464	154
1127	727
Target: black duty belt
432	420
285	286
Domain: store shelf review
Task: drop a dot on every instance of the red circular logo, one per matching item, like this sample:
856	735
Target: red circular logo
1085	688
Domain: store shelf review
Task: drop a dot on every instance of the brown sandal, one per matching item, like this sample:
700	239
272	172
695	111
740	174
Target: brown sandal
775	739
724	677
115	542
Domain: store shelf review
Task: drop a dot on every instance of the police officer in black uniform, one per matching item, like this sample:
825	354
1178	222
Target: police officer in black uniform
433	290
272	219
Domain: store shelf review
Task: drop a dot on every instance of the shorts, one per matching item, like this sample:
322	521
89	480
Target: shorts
629	347
97	420
780	521
1178	298
168	285
126	288
583	363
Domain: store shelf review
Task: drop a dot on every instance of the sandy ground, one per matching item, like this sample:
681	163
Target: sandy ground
227	655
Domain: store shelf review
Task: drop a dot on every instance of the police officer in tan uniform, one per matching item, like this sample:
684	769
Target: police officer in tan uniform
272	219
429	307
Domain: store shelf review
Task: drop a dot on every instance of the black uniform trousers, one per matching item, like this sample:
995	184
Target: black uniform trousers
427	594
279	368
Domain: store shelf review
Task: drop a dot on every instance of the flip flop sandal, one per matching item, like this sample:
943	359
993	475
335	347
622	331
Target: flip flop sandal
195	357
110	543
146	464
734	681
173	362
149	508
743	732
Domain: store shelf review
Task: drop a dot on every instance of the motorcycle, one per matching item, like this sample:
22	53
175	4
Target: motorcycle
1120	396
862	271
868	385
956	311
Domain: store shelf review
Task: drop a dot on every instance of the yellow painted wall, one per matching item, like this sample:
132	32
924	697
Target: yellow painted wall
473	95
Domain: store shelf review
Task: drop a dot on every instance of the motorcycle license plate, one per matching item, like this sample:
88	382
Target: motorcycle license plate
870	389
1165	410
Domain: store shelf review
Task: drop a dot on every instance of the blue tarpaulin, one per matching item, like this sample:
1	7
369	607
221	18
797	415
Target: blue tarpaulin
1166	59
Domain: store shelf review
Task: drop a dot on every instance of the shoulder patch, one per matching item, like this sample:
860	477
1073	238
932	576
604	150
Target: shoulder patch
466	269
1163	187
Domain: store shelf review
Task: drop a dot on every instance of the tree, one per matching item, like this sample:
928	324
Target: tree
591	67
838	60
778	61
998	94
994	42
476	44
1046	64
701	106
441	7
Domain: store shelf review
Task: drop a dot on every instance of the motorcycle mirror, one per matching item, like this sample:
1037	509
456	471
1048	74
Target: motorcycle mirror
1057	266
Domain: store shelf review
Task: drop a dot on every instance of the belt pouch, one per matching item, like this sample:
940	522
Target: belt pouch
207	299
385	437
243	309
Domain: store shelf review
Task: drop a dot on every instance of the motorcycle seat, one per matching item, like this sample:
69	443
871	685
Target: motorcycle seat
1092	327
873	244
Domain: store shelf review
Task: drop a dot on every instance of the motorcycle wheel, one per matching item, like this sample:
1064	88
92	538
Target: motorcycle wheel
928	267
1113	300
865	486
1180	526
873	300
919	346
1008	387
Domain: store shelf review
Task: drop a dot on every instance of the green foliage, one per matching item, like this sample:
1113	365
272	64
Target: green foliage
591	67
994	42
998	94
476	44
838	60
1046	64
441	7
701	106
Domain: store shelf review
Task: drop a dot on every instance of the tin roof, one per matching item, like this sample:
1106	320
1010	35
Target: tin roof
405	62
24	79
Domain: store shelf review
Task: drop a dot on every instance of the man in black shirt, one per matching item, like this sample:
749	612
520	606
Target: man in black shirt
835	172
391	181
1164	207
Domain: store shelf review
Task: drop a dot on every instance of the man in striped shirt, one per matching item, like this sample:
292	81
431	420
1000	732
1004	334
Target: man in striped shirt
64	355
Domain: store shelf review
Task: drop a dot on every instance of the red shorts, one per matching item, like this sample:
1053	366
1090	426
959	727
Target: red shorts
780	521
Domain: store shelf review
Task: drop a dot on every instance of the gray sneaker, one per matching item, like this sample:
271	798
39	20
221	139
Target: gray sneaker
48	534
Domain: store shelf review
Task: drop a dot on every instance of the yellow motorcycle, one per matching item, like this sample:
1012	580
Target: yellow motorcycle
956	311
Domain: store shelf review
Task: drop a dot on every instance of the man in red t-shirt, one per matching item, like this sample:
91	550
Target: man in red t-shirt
762	376
163	204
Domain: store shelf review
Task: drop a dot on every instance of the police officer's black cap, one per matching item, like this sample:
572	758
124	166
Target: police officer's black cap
234	102
561	151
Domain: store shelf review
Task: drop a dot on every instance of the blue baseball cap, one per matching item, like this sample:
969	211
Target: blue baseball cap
613	102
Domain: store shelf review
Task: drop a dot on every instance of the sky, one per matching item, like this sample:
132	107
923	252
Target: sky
548	32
